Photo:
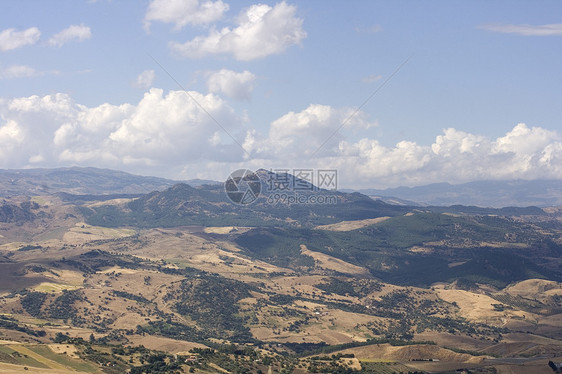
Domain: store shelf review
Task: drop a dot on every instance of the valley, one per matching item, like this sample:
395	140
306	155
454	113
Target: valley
182	281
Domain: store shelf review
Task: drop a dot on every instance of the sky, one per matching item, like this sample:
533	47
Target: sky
388	93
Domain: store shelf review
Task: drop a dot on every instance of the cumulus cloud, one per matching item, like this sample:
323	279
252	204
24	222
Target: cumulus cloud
168	134
238	86
11	137
160	132
261	31
145	79
312	131
528	30
12	39
184	12
72	33
456	157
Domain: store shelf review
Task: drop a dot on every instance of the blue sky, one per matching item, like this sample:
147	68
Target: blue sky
463	90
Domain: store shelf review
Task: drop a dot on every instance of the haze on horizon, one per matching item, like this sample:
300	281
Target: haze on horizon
387	93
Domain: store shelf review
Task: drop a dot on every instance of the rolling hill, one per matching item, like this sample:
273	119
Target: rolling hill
183	280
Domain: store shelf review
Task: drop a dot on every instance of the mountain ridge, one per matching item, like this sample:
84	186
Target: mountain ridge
96	181
495	194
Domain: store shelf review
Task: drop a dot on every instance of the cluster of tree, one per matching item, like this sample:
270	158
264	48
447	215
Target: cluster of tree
130	296
12	213
211	301
12	324
339	287
158	363
63	307
32	302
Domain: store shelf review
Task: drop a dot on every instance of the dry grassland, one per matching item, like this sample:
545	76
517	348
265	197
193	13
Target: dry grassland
328	262
351	225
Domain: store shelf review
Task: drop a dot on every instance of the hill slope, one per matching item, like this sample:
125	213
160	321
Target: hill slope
354	286
209	206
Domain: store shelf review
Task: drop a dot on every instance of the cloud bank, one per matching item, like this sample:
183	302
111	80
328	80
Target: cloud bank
161	131
168	134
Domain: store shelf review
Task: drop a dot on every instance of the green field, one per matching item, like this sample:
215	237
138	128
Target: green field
12	356
63	359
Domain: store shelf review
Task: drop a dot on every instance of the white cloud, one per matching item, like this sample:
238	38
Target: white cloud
59	104
12	39
72	33
170	135
261	31
11	137
238	86
145	79
528	30
455	142
184	12
23	71
17	71
374	161
161	132
170	128
10	134
524	140
455	156
313	131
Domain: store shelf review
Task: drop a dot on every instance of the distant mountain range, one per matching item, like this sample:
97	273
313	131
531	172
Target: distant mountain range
76	180
82	181
94	181
496	194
